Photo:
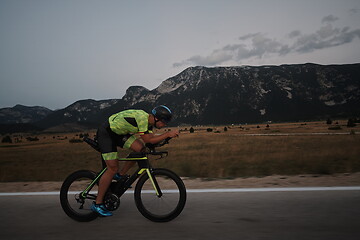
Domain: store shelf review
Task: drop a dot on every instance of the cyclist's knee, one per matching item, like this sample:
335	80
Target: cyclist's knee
138	146
112	166
113	169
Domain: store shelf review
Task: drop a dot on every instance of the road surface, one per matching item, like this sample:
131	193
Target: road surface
228	215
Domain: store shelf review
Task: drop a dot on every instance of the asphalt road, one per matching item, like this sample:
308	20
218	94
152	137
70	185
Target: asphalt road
242	215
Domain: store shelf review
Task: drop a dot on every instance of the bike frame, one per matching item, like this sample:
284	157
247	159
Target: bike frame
144	167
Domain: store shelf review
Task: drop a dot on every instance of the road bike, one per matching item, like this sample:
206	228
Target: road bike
160	194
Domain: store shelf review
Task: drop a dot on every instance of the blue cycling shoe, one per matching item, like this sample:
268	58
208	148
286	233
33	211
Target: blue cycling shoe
101	209
121	178
117	177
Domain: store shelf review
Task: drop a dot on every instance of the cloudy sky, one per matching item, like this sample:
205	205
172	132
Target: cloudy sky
55	52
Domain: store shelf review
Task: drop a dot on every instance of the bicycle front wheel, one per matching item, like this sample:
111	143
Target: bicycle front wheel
162	208
75	204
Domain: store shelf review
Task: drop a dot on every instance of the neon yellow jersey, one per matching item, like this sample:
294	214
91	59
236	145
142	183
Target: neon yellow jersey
130	122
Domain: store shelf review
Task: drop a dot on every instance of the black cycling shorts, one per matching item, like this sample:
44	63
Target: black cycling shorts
109	141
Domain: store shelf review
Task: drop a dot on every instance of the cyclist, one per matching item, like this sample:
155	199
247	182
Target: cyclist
119	131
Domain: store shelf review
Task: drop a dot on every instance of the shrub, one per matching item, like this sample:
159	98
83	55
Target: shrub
6	139
351	123
75	140
192	130
337	127
83	135
32	139
209	130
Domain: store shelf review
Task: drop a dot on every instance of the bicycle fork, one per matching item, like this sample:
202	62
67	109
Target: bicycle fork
153	181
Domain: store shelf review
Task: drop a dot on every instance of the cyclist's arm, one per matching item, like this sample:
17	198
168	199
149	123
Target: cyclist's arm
153	139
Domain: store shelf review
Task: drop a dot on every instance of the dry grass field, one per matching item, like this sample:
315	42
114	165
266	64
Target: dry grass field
241	151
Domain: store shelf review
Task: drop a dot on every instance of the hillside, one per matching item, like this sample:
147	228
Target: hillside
226	95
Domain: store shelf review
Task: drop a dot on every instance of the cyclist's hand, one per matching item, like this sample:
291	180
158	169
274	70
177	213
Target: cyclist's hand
172	134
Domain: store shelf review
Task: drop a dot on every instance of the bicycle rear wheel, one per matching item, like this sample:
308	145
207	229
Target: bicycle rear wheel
73	203
166	207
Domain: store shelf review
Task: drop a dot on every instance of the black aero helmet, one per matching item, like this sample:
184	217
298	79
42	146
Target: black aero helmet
162	113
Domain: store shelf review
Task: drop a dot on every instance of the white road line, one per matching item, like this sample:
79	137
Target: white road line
293	134
219	190
285	189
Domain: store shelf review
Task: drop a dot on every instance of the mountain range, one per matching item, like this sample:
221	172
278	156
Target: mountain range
217	95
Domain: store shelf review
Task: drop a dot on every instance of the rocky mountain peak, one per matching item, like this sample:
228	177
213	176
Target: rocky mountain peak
23	114
136	94
225	95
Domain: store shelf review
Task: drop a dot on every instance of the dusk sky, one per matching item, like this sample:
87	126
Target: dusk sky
55	52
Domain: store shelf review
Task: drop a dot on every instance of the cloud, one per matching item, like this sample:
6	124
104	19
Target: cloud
247	36
259	45
329	19
354	11
215	58
294	34
325	37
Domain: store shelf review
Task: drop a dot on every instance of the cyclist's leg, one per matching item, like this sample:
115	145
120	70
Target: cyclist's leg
106	178
107	144
136	146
